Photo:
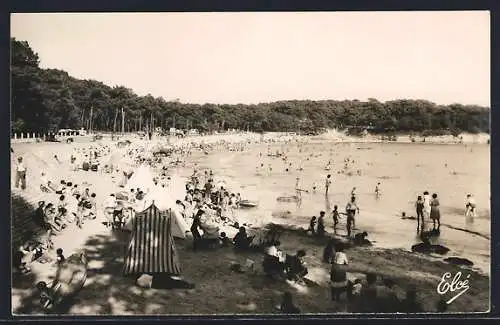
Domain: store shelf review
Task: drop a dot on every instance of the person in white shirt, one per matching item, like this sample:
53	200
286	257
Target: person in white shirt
20	173
427	209
273	260
338	274
470	206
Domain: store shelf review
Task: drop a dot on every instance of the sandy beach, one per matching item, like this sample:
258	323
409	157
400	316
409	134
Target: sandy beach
218	289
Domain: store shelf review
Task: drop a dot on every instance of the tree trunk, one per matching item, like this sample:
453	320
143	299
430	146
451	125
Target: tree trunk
114	122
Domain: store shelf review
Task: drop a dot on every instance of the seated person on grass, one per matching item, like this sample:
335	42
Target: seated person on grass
39	215
224	240
273	262
53	218
241	241
295	266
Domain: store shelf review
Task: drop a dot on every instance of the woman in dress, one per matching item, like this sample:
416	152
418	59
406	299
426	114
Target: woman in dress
435	213
338	274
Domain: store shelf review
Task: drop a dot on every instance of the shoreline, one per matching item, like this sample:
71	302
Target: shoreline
332	135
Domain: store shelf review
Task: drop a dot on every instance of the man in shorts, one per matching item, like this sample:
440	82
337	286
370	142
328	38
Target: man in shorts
351	209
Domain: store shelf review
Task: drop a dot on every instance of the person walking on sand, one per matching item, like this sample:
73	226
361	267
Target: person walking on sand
328	182
470	206
351	209
435	214
20	173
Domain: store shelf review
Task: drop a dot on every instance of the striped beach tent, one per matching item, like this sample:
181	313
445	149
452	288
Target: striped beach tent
151	248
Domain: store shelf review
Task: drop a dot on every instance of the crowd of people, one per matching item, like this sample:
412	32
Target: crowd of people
210	206
69	203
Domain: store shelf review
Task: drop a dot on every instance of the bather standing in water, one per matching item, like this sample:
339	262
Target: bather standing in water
328	183
435	214
427	209
470	206
377	190
351	209
419	207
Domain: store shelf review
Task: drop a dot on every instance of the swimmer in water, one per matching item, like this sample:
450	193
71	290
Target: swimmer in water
328	182
315	186
377	190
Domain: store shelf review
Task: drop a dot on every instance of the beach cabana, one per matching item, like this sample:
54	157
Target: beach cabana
142	178
161	198
152	248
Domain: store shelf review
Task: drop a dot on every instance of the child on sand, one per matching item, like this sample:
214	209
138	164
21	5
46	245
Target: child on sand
312	225
335	216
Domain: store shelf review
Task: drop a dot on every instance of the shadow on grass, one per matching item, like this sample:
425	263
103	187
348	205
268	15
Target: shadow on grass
218	289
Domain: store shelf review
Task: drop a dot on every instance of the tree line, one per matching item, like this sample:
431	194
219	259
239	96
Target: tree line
46	100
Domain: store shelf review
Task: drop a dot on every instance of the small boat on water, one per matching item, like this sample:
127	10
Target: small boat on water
293	198
248	204
70	279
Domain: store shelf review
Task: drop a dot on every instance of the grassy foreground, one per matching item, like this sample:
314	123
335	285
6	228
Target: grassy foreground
222	291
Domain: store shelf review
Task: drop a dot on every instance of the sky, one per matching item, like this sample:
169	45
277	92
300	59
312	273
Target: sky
255	57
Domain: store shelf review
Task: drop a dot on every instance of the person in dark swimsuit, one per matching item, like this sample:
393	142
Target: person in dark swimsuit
321	224
419	206
194	228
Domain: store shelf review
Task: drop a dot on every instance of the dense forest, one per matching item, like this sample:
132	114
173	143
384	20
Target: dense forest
45	100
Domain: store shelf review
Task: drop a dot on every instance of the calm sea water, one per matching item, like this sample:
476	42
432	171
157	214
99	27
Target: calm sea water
404	171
